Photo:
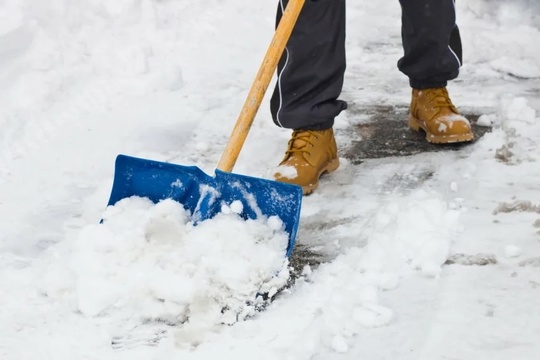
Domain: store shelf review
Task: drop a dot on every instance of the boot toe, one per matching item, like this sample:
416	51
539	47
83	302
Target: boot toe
289	174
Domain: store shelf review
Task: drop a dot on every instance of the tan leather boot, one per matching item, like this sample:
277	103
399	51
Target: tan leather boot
433	111
310	154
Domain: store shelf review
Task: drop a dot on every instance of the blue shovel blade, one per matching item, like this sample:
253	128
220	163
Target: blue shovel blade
203	195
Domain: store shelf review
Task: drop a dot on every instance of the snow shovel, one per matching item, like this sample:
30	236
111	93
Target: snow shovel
204	195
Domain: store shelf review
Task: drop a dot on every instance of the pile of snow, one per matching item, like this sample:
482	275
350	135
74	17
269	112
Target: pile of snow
500	33
515	131
151	262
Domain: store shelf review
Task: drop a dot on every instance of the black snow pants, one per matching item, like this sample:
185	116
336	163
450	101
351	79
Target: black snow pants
311	71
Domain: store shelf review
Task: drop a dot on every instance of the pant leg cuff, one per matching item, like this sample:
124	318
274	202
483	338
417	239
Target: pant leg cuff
420	85
319	126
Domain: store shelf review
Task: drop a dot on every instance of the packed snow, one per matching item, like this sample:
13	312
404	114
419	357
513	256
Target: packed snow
432	256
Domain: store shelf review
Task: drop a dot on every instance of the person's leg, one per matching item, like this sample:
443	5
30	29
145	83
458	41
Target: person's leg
431	43
310	79
311	71
432	57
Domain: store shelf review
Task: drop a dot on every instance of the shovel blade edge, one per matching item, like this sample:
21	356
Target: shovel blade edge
203	195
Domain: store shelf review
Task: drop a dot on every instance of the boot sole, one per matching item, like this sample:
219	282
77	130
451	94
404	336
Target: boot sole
416	125
329	168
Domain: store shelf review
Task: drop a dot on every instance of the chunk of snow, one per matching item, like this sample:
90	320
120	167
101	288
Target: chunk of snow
512	251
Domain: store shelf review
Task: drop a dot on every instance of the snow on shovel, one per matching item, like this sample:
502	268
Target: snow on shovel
203	195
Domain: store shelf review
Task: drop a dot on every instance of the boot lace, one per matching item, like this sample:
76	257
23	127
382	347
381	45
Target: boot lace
299	140
439	98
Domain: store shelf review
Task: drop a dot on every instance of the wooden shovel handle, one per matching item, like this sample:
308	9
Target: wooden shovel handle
258	89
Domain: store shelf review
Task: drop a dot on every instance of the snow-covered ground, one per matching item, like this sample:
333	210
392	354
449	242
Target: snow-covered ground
434	256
